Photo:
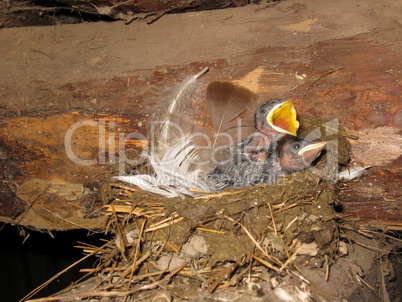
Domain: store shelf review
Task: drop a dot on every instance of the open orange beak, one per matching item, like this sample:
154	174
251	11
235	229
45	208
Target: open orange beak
283	118
312	151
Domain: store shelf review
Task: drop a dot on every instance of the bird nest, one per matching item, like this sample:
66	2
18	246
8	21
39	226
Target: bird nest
240	240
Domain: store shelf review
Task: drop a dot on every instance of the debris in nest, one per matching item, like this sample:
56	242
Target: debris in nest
354	172
222	241
255	240
195	247
170	262
247	239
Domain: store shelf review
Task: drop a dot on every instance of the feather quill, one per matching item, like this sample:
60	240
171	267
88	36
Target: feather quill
173	152
176	155
173	114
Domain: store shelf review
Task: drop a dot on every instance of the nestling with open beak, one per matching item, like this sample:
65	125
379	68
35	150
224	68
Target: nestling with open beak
184	166
255	160
272	121
275	119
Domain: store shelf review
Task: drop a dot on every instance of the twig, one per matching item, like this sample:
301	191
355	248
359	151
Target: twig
291	258
272	217
349	275
264	262
97	269
122	247
209	230
219	195
319	78
128	271
137	248
249	235
40	287
167	243
197	273
290	224
287	208
128	188
364	282
158	226
165	279
371	247
19	219
346	134
73	223
219	276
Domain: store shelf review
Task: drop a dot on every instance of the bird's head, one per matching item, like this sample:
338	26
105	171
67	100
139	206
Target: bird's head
297	155
276	118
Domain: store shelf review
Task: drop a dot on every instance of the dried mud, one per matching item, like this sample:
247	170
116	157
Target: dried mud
227	231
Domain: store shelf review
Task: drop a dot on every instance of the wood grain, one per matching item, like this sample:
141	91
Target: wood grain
335	60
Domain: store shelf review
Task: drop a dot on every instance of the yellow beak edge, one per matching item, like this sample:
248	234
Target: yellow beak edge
283	118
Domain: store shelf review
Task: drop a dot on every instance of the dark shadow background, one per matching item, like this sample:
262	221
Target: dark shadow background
26	266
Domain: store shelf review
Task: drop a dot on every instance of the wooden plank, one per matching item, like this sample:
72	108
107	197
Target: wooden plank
116	75
375	200
74	146
22	13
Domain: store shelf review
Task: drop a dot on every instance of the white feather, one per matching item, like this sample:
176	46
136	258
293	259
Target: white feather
352	172
176	104
185	85
173	176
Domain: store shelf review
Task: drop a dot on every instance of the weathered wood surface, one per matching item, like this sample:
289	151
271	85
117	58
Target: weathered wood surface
375	200
33	13
112	76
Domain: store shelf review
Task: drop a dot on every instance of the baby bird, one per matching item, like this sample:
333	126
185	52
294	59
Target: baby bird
294	155
246	163
297	155
272	121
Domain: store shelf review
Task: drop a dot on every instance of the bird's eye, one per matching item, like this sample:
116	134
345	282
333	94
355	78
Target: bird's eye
296	146
263	111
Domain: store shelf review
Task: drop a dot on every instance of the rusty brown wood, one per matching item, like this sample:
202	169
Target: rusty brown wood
115	76
375	200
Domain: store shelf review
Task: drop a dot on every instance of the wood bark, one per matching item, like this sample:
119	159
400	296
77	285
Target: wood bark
97	82
34	13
